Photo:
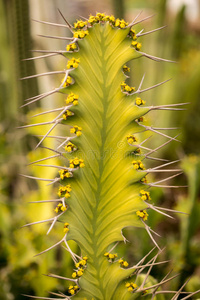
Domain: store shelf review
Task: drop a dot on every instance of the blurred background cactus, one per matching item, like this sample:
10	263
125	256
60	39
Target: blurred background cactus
20	271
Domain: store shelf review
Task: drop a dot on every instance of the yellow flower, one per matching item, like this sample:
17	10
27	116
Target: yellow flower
136	45
138	165
67	114
72	98
142	214
120	23
132	34
70	147
77	130
67	82
131	139
73	63
64	191
126	69
139	101
80	34
126	88
71	47
80	24
145	195
76	162
125	264
79	273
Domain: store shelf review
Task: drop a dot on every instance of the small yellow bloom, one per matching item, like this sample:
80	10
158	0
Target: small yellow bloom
142	214
132	34
72	98
125	264
74	275
73	63
131	286
67	114
72	292
120	23
80	24
66	227
77	130
126	88
67	82
145	195
79	273
80	34
136	45
76	162
71	47
70	147
139	101
126	69
138	165
64	191
131	139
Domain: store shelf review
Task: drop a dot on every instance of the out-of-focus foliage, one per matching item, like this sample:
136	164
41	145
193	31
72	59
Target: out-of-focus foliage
20	271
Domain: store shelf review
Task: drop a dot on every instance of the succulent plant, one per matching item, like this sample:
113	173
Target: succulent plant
103	186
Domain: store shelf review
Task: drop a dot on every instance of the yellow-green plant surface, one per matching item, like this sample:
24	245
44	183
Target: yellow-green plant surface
102	187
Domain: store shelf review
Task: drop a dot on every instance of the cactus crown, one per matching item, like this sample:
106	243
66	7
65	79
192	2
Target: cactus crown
103	187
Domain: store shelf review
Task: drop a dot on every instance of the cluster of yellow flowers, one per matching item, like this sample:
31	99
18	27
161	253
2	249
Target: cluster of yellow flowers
80	24
139	101
138	165
81	267
71	47
121	23
67	82
142	214
76	162
80	34
72	98
131	286
132	34
72	289
66	227
144	195
111	257
126	88
144	179
131	139
77	130
126	68
123	263
73	63
70	147
101	17
82	262
64	191
60	207
64	174
67	114
136	45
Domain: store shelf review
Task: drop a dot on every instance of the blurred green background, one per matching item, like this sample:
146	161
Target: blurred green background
20	271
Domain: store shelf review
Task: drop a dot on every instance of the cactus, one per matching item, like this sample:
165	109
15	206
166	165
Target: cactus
103	186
